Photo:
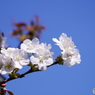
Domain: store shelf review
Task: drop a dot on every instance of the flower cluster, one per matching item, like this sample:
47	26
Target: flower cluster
12	58
70	54
38	54
41	55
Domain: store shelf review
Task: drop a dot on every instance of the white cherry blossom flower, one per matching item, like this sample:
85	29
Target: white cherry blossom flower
8	52
30	46
44	50
69	52
43	57
8	65
71	57
18	56
41	62
64	42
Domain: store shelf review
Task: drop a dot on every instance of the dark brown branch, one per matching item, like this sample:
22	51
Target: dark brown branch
23	75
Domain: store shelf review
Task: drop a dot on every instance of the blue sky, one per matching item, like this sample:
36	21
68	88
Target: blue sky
76	18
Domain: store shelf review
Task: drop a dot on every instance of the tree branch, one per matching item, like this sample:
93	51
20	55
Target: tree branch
23	75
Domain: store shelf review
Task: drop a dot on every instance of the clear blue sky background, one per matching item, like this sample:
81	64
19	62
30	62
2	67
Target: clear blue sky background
76	18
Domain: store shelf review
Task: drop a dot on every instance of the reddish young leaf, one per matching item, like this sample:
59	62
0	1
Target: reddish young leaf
20	24
9	92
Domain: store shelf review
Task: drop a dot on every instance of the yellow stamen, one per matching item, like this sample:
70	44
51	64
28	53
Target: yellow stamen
8	65
18	58
41	59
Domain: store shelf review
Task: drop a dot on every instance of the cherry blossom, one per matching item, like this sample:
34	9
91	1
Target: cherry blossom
30	46
70	54
64	42
71	57
43	57
7	65
19	56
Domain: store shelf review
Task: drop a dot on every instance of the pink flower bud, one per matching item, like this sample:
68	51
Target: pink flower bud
4	84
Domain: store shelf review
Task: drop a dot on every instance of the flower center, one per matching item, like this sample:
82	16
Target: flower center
8	65
67	48
18	58
30	47
9	54
69	55
41	59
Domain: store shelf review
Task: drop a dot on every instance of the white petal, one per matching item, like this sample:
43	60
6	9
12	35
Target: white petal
26	41
23	46
42	67
34	60
49	61
35	41
3	72
24	62
55	40
18	65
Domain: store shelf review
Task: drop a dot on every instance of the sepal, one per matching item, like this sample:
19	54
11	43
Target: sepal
14	74
60	60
